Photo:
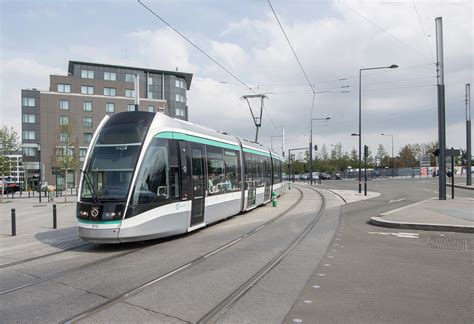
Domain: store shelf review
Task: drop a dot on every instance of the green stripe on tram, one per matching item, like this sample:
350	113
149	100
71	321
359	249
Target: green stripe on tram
248	150
196	139
85	221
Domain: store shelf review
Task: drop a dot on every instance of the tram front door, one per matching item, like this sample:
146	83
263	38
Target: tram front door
198	184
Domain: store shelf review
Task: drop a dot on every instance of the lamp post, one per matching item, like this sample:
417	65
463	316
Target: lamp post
40	174
393	66
468	135
393	162
311	148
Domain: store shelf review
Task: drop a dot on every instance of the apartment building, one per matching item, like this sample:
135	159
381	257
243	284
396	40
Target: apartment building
82	98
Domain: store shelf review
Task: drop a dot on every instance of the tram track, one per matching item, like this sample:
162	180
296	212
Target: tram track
132	292
128	252
215	313
237	293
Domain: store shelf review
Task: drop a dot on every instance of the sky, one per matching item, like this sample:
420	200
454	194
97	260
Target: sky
332	39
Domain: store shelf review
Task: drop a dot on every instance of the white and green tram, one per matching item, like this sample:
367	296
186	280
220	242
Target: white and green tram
147	176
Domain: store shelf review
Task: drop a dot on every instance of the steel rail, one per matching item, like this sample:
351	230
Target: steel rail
138	289
214	314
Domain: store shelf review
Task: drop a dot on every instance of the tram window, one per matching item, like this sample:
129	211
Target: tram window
215	170
153	181
231	163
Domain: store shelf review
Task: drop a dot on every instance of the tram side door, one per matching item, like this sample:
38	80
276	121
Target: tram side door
198	184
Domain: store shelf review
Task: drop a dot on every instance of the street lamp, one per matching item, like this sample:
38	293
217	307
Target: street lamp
393	66
393	161
311	148
40	175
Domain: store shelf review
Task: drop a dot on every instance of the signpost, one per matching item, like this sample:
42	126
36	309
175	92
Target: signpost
452	153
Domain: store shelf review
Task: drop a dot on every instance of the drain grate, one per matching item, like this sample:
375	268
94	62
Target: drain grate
447	244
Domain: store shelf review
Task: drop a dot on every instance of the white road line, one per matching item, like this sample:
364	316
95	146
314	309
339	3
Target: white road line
396	200
405	207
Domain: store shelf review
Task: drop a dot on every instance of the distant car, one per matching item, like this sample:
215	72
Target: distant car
449	173
337	176
324	176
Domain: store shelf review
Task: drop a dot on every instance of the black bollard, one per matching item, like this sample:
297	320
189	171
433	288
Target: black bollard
55	221
13	222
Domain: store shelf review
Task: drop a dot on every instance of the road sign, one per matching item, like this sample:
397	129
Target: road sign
425	161
452	152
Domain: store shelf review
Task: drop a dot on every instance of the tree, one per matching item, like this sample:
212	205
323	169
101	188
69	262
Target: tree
9	144
382	156
323	154
65	156
408	155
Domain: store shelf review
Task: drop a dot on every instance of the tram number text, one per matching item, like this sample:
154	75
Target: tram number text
95	225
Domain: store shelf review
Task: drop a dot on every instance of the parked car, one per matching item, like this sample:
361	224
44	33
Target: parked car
324	176
337	176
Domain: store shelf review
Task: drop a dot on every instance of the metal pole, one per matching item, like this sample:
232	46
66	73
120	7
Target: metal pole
452	172
137	91
393	161
40	180
366	150
441	109
13	222
468	135
55	221
311	154
360	132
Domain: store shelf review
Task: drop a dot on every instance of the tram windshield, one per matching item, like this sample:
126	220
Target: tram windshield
112	162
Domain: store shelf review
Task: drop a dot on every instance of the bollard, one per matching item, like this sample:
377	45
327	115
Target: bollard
29	192
13	222
274	199
289	185
55	221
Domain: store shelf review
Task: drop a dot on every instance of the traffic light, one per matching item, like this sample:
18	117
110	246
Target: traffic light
315	147
366	151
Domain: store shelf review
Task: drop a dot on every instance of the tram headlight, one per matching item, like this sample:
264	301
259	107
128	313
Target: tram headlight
108	215
83	213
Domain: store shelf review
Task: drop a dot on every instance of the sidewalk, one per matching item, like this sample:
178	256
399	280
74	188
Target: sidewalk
451	215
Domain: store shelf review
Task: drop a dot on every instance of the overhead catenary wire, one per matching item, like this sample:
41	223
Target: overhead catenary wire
424	32
291	46
384	30
204	53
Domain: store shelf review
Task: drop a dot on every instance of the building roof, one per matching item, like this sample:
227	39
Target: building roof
187	76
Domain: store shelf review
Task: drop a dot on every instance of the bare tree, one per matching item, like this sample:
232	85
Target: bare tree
9	144
65	156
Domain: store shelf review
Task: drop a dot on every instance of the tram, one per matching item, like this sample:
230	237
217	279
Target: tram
147	176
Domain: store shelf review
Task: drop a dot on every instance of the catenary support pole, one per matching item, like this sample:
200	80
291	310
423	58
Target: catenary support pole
441	109
468	136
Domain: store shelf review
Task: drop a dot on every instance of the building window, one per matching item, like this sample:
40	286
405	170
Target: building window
63	104
87	90
129	93
63	120
150	80
110	76
82	154
179	83
29	151
151	109
87	138
87	74
129	77
110	107
130	107
88	122
64	87
29	102
29	135
29	118
63	137
180	98
180	112
112	92
87	106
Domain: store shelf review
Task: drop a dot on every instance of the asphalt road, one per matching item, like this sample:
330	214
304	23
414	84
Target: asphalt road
377	274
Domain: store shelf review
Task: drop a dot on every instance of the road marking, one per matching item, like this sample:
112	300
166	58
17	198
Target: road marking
316	286
405	207
400	234
470	198
297	320
321	274
396	200
308	301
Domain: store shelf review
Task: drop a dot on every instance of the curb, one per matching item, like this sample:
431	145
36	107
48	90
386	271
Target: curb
460	186
378	221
